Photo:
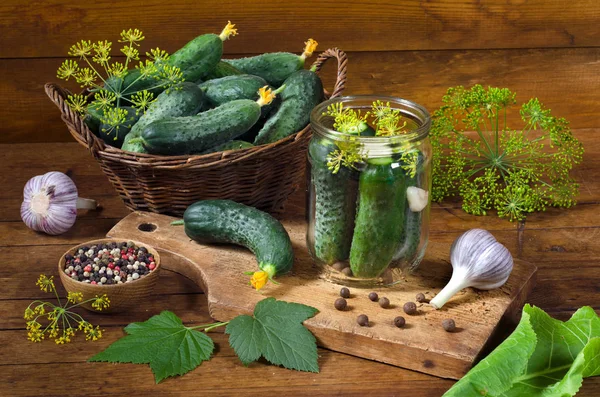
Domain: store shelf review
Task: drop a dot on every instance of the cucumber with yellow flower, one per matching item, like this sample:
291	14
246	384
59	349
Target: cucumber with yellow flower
225	221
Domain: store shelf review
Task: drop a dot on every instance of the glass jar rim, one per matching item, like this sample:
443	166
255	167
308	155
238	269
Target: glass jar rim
419	114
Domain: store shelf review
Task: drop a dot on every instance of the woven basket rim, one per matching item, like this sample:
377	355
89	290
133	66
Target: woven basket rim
82	134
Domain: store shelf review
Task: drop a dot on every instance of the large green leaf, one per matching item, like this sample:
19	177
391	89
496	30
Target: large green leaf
163	342
276	333
542	357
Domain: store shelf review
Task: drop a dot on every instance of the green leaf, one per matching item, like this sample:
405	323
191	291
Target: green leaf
542	357
275	332
163	342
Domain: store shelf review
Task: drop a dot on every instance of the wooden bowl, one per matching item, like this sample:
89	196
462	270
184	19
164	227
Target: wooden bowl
122	296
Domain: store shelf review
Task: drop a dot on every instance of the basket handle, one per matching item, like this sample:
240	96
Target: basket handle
342	69
77	127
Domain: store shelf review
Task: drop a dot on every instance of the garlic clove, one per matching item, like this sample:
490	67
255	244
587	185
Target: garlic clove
417	198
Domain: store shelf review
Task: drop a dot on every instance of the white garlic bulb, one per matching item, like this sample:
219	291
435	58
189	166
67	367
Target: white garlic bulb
478	261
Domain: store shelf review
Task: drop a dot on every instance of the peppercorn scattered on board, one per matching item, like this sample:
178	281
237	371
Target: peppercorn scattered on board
422	344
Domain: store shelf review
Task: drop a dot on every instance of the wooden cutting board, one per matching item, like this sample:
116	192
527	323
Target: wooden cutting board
422	345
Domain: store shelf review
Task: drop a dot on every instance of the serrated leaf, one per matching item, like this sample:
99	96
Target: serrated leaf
542	357
276	333
163	342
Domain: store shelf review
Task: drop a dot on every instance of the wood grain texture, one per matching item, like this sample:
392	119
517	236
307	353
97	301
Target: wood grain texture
51	26
422	76
566	254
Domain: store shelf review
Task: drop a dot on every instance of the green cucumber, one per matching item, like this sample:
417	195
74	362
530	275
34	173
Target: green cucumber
115	136
194	134
229	88
222	69
303	91
93	116
334	205
274	67
231	145
196	59
185	100
380	218
225	221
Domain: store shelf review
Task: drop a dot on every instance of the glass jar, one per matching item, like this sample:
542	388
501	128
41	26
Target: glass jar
368	197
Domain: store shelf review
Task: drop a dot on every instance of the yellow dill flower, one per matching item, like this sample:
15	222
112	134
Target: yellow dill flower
39	309
102	52
29	314
85	77
77	103
142	100
157	55
131	52
259	279
81	49
33	325
131	36
45	283
93	333
171	74
54	331
116	69
104	99
147	68
101	302
67	70
35	335
74	297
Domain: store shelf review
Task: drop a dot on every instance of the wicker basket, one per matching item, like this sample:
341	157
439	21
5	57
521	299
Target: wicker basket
263	176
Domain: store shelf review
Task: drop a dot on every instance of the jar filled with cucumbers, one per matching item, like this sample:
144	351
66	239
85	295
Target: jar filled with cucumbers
369	177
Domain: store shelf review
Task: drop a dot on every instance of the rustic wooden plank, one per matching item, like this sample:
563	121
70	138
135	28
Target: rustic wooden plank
423	76
52	26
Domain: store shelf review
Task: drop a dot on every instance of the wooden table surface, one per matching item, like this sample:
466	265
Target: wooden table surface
562	243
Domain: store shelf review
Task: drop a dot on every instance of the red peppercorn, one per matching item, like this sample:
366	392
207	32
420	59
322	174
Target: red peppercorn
93	282
117	268
88	268
151	258
152	266
111	265
77	260
124	256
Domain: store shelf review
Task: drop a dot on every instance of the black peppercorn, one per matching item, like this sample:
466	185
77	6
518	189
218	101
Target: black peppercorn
363	320
340	303
399	321
410	308
449	325
420	298
373	296
345	293
384	302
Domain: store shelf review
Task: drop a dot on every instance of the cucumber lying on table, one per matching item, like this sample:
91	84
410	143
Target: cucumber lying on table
225	221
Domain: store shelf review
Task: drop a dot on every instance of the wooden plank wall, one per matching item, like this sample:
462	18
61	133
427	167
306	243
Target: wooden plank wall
414	49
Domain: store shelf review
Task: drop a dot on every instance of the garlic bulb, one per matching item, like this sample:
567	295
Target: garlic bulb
50	203
478	261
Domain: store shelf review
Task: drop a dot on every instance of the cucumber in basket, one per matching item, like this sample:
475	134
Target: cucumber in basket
196	60
194	134
225	221
275	67
231	145
229	88
303	91
185	100
222	69
114	136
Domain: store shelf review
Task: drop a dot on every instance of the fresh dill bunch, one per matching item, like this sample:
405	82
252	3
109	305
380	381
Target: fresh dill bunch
111	91
492	166
62	323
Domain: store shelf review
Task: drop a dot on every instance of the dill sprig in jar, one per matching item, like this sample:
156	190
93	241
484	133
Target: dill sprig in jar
369	182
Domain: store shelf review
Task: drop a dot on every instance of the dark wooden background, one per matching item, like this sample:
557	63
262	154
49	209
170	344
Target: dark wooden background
413	49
